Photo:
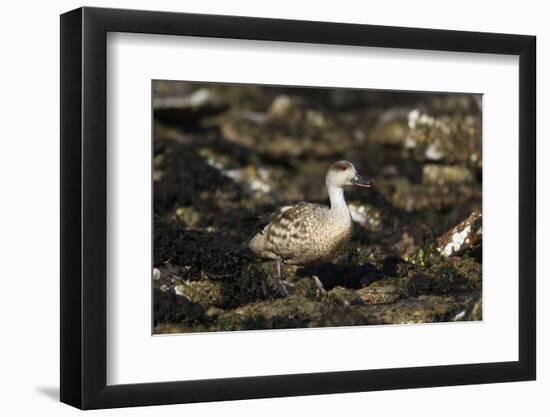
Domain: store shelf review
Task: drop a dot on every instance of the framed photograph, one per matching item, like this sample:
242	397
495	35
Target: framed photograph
257	208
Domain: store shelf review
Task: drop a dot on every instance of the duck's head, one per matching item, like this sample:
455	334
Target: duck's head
343	173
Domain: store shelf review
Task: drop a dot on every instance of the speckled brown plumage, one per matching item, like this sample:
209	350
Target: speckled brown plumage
308	233
304	234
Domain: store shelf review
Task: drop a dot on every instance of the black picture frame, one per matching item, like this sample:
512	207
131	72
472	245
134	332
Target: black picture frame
84	207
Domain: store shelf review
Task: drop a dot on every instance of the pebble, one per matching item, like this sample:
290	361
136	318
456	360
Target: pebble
156	274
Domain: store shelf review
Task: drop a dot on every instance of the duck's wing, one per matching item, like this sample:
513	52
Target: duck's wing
290	218
266	220
291	231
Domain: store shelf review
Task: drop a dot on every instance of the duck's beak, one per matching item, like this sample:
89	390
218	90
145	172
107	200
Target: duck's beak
362	182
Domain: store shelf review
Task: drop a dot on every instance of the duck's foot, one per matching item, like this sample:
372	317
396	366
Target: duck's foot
264	289
321	292
282	286
281	283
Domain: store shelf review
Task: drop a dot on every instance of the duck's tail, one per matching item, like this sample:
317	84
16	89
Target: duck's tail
257	244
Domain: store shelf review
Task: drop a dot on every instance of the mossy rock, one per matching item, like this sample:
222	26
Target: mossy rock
284	313
455	277
384	291
172	308
344	296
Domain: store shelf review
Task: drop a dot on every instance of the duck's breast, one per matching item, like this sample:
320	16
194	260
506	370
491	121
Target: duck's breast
334	239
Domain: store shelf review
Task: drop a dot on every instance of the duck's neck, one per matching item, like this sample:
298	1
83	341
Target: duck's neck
337	200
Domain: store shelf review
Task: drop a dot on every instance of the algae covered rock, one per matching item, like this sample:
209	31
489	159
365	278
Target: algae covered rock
291	312
344	296
384	291
172	308
204	292
421	309
459	277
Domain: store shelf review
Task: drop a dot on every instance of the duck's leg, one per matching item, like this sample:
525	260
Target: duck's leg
280	281
320	288
279	269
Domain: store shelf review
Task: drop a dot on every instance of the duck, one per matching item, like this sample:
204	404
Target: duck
307	234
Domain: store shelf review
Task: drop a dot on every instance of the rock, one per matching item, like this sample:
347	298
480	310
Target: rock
178	109
254	180
450	137
286	313
441	136
390	133
172	308
188	180
214	312
289	131
385	291
281	107
344	296
299	312
411	197
463	104
423	309
307	288
366	215
213	258
472	311
315	118
476	313
188	215
200	251
446	278
470	268
171	275
204	292
156	274
446	174
466	235
416	244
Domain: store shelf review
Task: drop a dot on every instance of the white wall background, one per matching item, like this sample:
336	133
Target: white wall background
29	226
